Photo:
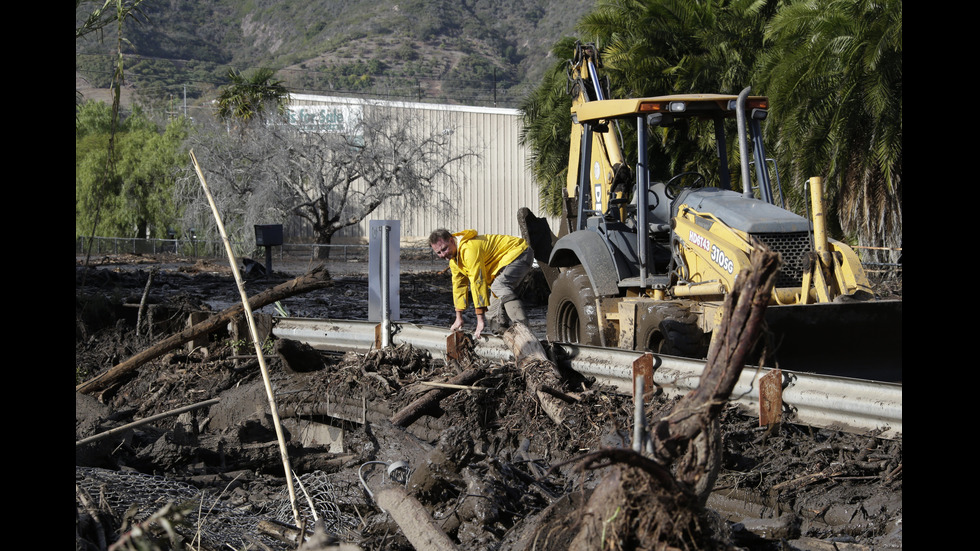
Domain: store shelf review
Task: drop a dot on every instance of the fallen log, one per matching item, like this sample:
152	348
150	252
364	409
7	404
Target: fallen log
317	278
540	374
689	435
410	413
412	518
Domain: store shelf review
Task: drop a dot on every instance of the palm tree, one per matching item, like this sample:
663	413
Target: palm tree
657	47
834	73
249	97
648	48
546	128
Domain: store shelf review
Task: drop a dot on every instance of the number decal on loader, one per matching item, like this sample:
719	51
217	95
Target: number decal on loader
721	259
699	240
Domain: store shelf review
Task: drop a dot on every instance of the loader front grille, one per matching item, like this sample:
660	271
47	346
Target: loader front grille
793	247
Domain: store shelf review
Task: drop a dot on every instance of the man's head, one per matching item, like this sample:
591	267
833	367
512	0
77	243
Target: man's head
443	243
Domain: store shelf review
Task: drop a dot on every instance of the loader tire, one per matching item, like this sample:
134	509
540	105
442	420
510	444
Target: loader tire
670	328
572	314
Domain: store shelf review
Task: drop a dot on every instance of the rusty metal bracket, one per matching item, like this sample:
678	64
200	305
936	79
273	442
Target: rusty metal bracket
458	345
771	398
644	366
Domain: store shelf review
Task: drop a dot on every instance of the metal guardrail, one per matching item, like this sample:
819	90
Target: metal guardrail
816	400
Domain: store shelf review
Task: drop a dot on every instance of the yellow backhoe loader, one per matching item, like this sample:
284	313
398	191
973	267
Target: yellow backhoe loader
643	260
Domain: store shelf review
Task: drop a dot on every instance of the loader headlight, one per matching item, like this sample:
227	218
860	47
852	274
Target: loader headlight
660	107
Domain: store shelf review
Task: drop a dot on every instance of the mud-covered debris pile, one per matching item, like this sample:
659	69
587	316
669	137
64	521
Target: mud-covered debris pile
485	463
478	461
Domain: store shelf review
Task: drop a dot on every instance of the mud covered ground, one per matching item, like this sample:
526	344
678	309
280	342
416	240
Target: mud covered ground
488	467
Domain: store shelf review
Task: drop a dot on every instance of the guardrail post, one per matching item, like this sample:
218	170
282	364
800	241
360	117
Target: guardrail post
385	298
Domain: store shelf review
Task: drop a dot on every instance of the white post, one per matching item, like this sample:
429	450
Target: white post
385	291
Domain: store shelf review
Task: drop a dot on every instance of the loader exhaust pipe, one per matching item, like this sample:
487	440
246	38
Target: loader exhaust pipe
819	222
743	146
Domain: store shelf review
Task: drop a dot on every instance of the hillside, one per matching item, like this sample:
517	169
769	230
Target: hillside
479	52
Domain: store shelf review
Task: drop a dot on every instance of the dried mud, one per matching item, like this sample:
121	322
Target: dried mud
488	466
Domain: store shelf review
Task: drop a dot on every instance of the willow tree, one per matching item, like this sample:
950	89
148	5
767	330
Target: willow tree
322	176
137	199
95	21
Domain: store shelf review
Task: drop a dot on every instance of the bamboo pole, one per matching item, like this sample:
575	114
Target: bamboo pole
287	470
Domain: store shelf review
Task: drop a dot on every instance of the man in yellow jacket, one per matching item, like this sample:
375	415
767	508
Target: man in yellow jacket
491	266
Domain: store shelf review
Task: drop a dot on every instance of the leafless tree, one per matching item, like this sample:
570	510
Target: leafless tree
328	176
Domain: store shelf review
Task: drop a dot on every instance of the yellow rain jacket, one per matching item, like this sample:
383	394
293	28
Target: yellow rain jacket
478	260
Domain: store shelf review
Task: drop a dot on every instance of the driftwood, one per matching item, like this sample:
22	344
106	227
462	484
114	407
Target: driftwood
733	342
541	375
642	504
318	278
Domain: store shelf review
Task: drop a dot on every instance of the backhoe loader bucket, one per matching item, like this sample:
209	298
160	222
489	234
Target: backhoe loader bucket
855	339
537	232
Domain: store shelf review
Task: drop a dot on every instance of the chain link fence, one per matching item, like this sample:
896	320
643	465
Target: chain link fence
212	521
205	248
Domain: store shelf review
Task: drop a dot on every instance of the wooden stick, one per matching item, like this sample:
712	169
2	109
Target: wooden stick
807	479
457	387
410	413
142	310
287	470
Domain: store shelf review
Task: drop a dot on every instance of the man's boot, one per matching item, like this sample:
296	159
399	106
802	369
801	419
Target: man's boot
515	311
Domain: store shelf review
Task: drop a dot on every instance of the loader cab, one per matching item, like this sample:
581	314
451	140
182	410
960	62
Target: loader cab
607	177
718	110
630	202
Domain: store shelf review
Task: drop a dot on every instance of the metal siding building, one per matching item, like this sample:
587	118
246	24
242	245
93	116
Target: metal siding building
492	184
